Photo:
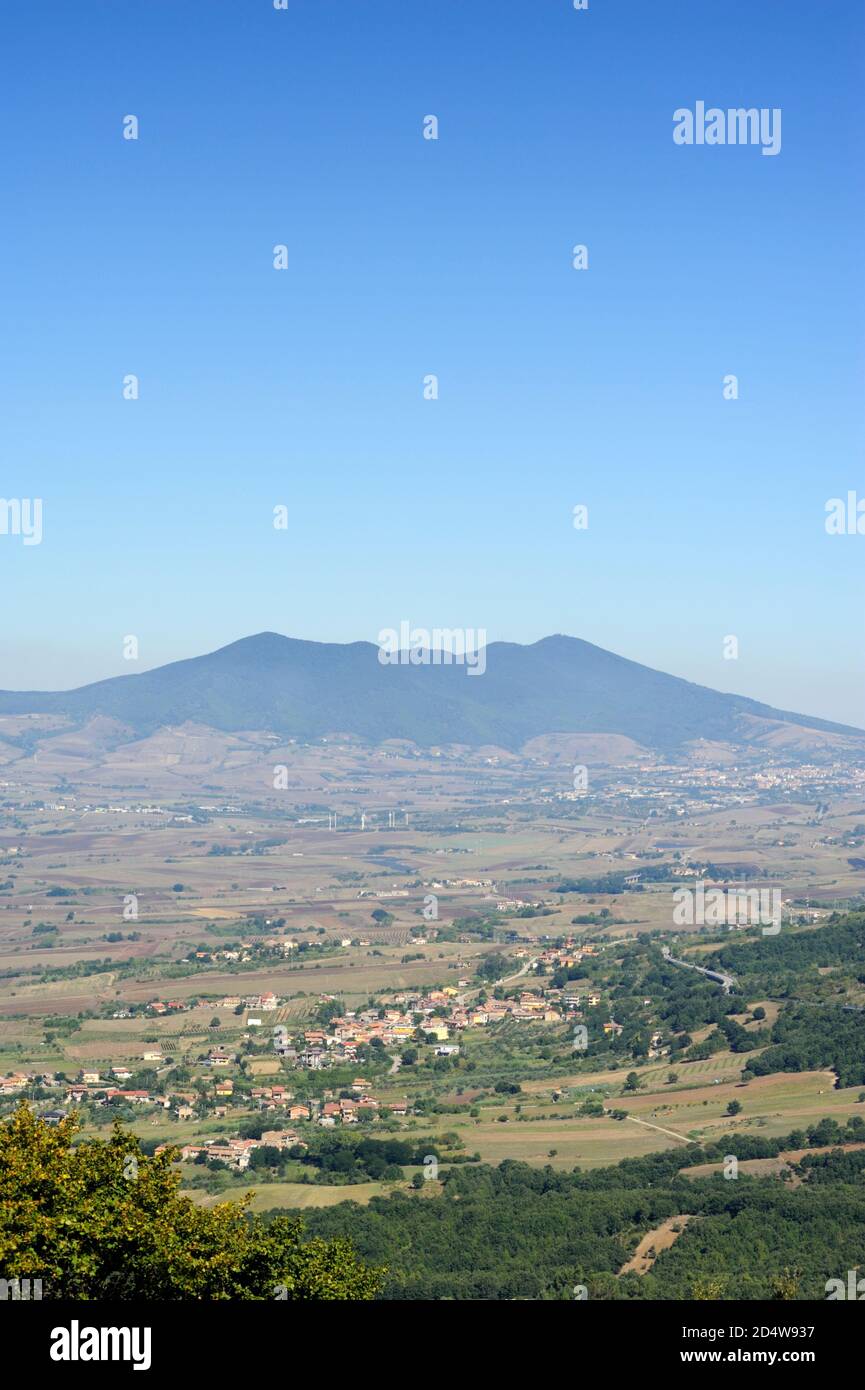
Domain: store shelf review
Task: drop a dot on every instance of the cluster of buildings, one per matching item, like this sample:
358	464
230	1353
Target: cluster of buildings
162	1008
18	1082
247	950
264	1003
235	1153
709	785
393	1023
330	1110
439	1015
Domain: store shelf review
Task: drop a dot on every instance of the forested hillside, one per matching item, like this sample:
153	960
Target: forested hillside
517	1232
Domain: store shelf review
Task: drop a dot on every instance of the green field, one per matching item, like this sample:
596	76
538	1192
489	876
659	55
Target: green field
298	1194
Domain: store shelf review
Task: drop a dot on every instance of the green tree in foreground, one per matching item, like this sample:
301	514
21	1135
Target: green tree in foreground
100	1219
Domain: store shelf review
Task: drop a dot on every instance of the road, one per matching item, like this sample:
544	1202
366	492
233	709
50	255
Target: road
681	1137
728	982
505	980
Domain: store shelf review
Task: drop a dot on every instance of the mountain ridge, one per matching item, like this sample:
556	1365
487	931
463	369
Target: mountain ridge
304	689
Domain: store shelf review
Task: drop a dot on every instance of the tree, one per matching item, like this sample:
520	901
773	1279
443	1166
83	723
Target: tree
592	1105
633	1082
708	1289
266	1156
493	966
785	1284
102	1220
734	1107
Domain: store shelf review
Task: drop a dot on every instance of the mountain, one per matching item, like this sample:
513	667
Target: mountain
307	690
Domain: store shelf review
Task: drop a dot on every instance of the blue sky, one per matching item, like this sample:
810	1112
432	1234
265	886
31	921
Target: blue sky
408	256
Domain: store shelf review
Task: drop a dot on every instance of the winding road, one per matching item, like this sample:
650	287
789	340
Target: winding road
727	981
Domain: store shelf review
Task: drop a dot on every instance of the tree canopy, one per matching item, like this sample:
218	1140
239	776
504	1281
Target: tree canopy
100	1219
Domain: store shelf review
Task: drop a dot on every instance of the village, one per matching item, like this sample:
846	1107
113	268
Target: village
387	1034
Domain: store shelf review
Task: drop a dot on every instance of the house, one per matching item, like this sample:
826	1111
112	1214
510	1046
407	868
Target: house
312	1058
11	1085
229	1155
152	1056
280	1139
532	1005
90	1078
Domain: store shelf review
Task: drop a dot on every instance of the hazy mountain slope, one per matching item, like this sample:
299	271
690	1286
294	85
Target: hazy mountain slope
309	689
